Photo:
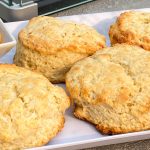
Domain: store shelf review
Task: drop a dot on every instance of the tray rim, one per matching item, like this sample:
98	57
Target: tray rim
114	139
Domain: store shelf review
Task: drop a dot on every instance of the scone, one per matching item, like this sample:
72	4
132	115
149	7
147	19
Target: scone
31	108
51	46
111	89
132	28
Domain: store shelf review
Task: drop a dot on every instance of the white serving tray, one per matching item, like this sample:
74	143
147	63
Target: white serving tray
8	40
78	134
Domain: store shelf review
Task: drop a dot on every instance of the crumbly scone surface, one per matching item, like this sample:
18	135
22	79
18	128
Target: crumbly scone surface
31	108
54	67
132	28
49	35
111	89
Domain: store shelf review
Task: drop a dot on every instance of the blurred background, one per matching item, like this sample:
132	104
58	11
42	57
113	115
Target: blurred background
15	10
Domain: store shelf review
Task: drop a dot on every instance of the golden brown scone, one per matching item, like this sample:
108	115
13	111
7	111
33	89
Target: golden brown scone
31	108
111	89
52	46
132	28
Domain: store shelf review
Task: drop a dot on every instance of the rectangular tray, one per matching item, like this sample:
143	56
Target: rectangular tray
78	134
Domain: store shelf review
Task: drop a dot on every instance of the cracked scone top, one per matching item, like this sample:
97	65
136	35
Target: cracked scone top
111	89
133	28
31	108
51	46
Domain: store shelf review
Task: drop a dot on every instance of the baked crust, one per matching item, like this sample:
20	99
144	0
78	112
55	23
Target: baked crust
31	108
49	35
133	28
52	46
111	89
